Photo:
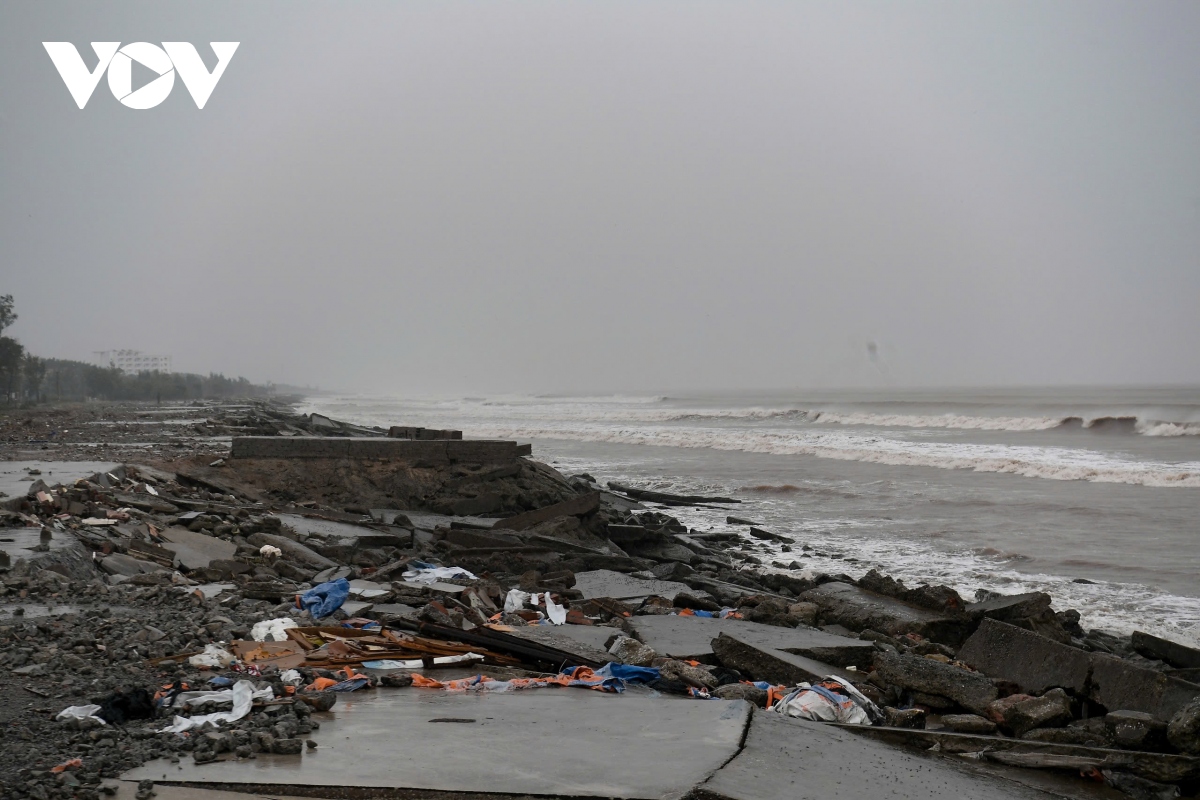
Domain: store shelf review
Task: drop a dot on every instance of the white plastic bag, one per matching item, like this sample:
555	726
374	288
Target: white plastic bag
241	696
417	663
80	712
291	677
214	656
832	700
273	628
515	600
556	613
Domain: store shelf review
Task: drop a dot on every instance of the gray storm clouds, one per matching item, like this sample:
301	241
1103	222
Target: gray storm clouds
533	196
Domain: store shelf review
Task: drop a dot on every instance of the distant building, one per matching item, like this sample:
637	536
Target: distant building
131	362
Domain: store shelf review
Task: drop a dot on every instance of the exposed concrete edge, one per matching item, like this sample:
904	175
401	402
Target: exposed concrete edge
1142	762
362	792
750	712
428	451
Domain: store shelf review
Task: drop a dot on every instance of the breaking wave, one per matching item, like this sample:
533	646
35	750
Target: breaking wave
656	409
939	421
1102	424
822	434
1054	463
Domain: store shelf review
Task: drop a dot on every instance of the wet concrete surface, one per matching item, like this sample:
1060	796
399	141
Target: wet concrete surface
15	478
583	640
619	586
18	611
323	527
789	758
691	637
20	542
557	742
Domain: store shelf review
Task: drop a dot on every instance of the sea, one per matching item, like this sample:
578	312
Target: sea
1091	495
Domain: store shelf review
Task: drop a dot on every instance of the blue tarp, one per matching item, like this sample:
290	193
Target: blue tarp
629	673
326	598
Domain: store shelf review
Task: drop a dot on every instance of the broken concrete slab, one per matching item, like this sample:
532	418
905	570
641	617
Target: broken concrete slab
438	587
619	586
804	760
585	641
413	432
429	521
631	534
1011	606
724	589
575	507
691	638
163	792
762	663
1036	664
367	590
432	452
652	747
475	539
971	690
1152	766
484	503
857	608
1051	710
1174	653
121	564
1118	684
356	608
1033	662
315	526
292	549
196	550
385	611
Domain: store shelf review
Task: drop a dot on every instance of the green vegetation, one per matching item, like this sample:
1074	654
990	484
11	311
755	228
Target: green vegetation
26	378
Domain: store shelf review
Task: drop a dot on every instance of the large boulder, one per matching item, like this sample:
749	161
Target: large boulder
1051	710
1037	664
1030	611
628	650
1183	732
969	723
857	609
970	690
1136	730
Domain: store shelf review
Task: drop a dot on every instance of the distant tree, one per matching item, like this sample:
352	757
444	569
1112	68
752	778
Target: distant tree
11	353
34	369
7	315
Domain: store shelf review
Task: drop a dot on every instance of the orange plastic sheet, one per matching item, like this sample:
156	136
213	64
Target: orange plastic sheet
581	677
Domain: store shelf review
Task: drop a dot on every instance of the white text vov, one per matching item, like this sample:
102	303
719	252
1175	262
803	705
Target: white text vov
172	57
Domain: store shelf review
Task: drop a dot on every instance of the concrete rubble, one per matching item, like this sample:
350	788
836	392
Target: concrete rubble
411	610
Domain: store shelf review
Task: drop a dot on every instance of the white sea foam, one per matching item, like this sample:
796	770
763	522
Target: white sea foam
856	545
651	409
1054	463
849	519
1151	428
612	420
940	421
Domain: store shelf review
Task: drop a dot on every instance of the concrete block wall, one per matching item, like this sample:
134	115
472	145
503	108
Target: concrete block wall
436	451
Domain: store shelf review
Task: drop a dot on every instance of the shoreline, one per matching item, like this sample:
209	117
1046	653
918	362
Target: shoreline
618	561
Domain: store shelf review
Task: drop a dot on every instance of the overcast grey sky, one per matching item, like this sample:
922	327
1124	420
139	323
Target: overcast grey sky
517	196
